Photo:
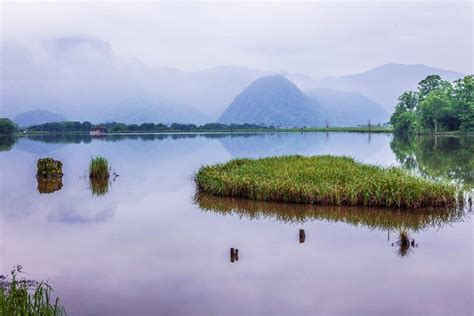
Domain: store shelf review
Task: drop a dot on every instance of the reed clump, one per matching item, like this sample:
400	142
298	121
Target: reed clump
99	168
48	167
325	180
25	297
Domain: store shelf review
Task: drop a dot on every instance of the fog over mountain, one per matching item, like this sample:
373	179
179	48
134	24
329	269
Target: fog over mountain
385	83
37	117
350	108
83	79
274	100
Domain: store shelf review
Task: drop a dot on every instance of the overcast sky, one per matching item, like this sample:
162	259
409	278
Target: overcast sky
319	39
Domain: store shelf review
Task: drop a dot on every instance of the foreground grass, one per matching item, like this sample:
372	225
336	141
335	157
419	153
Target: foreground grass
323	180
23	297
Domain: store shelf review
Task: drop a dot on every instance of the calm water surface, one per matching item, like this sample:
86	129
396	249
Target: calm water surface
147	246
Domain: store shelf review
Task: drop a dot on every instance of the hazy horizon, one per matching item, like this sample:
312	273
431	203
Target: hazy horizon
319	39
186	62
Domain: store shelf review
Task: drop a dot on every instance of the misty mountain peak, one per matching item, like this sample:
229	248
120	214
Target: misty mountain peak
274	100
73	45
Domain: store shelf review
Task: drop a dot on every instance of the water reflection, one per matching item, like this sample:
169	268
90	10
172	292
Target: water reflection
6	143
404	222
148	217
437	157
99	187
49	185
374	219
405	246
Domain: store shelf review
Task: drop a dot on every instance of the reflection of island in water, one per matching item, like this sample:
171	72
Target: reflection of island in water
308	143
99	187
373	218
48	185
437	157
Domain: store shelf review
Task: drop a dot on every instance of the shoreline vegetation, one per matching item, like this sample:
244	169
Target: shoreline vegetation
61	128
436	106
69	127
325	180
27	297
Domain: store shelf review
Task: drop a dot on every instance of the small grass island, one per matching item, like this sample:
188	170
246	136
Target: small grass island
323	180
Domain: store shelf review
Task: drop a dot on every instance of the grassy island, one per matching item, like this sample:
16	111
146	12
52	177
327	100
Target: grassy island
323	180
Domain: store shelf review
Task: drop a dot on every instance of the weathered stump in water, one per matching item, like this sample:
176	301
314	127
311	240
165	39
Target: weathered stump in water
48	167
234	254
302	236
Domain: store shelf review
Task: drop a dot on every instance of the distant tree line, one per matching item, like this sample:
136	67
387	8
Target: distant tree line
436	106
113	127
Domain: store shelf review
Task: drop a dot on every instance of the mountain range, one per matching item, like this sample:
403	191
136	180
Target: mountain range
349	108
385	83
84	79
37	117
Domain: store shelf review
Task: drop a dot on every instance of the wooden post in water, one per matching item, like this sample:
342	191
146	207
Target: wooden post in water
234	254
302	236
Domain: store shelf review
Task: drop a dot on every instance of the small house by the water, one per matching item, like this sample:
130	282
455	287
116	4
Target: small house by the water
98	131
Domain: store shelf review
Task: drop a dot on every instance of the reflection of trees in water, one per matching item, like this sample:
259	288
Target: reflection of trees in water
379	219
7	142
273	144
61	138
438	157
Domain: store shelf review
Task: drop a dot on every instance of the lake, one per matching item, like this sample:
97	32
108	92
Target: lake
146	245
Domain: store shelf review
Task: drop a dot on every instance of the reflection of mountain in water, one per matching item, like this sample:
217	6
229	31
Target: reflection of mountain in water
259	145
38	146
237	144
380	219
275	144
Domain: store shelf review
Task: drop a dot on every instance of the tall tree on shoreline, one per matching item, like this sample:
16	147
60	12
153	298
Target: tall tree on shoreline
436	106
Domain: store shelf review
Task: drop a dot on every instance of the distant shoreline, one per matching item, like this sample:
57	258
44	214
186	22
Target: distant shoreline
364	130
223	131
